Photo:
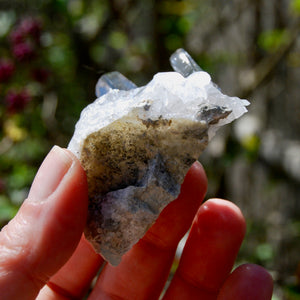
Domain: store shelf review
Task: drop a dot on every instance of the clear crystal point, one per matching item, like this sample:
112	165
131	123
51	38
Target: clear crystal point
183	63
111	81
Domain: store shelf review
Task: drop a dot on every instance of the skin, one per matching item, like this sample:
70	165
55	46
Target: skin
44	255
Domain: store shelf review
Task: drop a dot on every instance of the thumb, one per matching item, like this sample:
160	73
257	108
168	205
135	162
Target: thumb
47	228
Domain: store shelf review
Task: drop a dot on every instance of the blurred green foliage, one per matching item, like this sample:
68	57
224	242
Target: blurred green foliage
292	293
295	6
271	40
80	40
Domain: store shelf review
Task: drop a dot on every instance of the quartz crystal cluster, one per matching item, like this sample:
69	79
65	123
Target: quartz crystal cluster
137	143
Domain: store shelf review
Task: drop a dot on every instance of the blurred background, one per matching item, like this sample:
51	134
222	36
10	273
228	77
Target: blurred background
52	53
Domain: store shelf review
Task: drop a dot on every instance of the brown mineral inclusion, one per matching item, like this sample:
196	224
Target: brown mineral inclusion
117	156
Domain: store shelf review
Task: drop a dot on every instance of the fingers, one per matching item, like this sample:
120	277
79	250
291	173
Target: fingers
74	278
247	282
210	251
47	228
144	269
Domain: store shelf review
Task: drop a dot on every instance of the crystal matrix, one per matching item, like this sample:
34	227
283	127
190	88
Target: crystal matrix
136	147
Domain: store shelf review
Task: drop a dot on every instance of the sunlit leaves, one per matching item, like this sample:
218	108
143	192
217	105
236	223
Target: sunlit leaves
22	175
271	40
117	40
295	6
264	252
185	24
176	7
7	210
177	19
172	42
75	8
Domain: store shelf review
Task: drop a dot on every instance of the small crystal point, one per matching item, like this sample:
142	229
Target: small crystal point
183	63
111	81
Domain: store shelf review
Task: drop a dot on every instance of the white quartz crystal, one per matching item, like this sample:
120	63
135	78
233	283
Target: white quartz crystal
136	147
169	95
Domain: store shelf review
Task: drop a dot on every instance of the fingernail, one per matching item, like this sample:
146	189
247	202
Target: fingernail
53	169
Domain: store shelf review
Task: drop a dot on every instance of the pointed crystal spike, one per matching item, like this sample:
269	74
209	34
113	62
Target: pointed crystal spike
111	81
183	63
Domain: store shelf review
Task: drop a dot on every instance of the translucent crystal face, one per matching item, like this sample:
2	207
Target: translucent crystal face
168	96
137	144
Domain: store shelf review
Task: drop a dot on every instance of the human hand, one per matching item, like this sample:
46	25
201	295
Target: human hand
43	253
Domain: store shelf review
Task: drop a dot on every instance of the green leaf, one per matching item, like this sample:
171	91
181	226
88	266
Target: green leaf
273	39
184	25
264	252
295	6
173	42
118	40
7	209
21	176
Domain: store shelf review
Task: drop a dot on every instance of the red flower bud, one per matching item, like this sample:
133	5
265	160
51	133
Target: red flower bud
16	101
32	27
17	36
23	51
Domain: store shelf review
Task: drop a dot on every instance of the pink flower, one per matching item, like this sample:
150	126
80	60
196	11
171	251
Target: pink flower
16	101
17	36
29	29
32	27
6	70
23	51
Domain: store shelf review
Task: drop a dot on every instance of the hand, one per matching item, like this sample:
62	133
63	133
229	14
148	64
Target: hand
43	253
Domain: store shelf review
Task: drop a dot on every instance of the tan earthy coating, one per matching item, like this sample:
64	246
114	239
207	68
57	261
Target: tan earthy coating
117	155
